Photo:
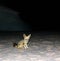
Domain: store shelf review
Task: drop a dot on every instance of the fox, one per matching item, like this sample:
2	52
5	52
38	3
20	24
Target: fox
23	43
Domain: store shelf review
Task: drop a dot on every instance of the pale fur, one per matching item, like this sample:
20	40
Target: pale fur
24	43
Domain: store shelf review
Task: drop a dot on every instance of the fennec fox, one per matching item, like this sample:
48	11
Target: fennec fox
23	43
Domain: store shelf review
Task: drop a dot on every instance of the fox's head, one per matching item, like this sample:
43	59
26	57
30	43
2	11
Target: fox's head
26	37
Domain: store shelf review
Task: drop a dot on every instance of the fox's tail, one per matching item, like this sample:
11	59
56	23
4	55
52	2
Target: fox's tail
14	44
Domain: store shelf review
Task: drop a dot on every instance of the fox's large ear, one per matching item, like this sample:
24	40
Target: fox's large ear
24	35
29	35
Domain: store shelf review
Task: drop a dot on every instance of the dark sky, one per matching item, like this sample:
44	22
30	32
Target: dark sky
39	17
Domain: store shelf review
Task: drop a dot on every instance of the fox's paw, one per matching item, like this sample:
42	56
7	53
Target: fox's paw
26	47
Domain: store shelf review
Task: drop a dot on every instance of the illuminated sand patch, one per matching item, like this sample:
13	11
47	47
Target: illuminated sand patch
40	49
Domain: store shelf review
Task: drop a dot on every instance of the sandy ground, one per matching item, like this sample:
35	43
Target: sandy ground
42	47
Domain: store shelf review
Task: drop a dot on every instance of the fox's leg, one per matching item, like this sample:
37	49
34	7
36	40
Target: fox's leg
20	46
25	46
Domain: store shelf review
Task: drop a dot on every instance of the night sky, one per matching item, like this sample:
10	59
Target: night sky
33	17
